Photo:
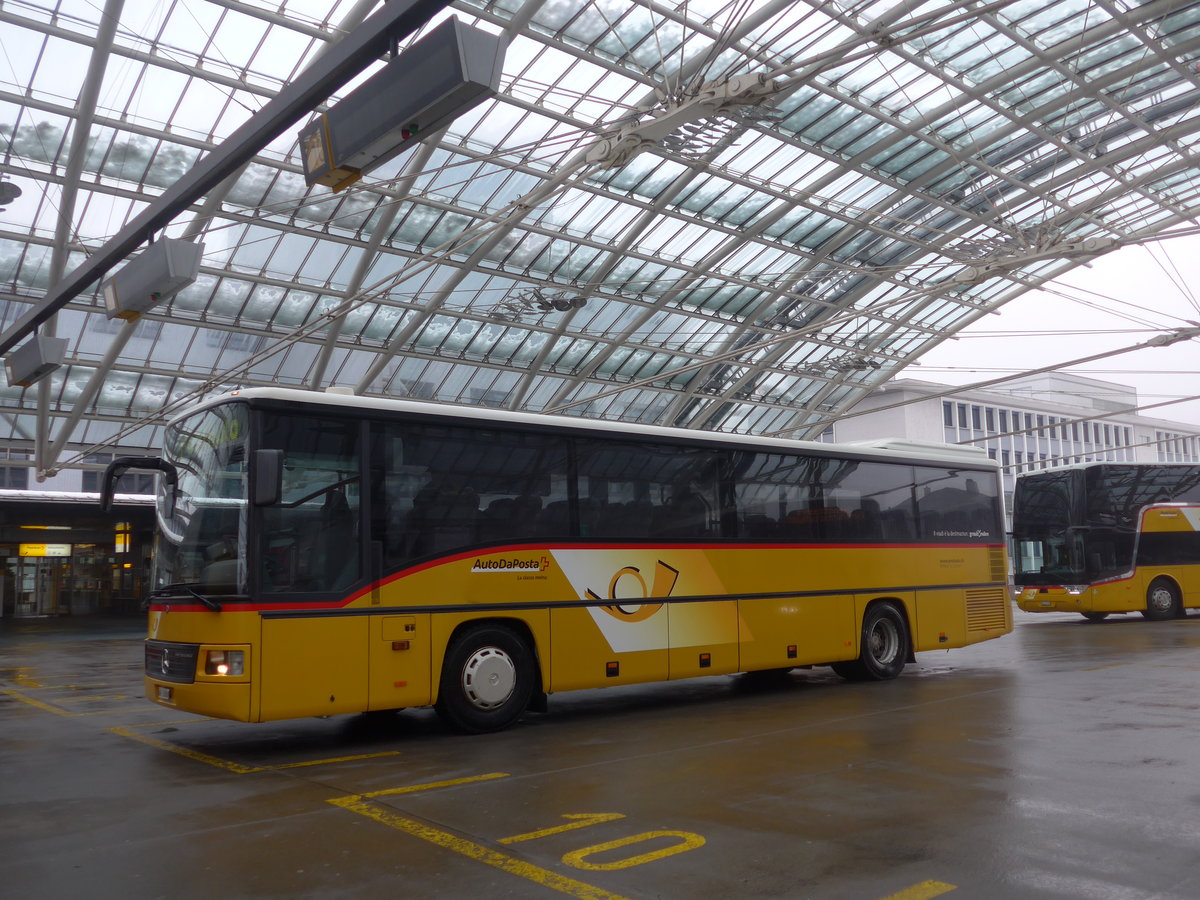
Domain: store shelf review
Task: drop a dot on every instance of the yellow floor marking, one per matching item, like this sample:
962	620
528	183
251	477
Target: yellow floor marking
196	755
578	858
230	765
110	712
94	698
75	687
334	759
923	891
21	677
17	695
427	786
471	850
586	821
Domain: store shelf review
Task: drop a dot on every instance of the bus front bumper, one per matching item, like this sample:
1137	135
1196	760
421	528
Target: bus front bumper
1052	599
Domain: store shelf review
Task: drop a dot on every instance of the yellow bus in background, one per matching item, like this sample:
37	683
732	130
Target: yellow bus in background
1106	538
320	554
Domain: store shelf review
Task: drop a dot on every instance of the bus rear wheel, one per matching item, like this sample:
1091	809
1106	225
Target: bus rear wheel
487	680
884	643
1162	600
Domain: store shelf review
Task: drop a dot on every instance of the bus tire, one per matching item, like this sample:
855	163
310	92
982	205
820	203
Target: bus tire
1094	616
487	679
1162	600
884	646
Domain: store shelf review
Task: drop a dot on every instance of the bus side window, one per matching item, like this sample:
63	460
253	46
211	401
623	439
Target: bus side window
443	516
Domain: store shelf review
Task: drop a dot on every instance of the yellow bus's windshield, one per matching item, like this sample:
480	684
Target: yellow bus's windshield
201	539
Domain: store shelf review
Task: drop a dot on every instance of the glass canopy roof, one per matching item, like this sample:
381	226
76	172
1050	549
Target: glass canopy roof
736	215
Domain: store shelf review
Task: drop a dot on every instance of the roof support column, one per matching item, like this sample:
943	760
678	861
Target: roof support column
66	209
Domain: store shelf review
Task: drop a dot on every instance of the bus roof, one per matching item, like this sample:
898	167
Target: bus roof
882	448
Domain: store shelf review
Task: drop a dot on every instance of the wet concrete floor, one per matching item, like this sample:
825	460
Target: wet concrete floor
1061	761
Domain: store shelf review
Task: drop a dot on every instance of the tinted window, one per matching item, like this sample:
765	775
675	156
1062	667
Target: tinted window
957	506
440	488
789	497
309	541
1116	494
629	490
1172	548
779	497
1046	504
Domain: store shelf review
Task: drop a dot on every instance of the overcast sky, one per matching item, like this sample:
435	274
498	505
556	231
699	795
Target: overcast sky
1126	297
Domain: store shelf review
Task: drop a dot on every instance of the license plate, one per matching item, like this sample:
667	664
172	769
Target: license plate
1045	603
164	694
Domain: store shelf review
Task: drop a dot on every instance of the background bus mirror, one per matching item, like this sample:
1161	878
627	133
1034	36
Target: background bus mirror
268	477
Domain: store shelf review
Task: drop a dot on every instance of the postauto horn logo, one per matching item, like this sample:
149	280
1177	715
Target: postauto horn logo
501	564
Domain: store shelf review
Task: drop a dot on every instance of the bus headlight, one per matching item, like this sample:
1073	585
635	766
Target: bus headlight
225	662
1075	589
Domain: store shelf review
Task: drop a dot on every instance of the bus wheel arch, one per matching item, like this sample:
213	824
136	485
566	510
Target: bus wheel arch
1164	599
489	676
885	644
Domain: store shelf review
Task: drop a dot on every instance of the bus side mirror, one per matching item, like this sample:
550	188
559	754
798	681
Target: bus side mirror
122	464
268	477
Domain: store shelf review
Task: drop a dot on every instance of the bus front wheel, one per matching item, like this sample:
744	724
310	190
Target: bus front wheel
884	646
1162	600
487	680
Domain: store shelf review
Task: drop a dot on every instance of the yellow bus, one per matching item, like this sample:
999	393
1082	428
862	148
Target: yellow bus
1106	538
320	554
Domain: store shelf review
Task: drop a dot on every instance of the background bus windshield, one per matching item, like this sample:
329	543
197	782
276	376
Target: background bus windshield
1079	526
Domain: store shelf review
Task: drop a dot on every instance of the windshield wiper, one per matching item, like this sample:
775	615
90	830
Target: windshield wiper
186	587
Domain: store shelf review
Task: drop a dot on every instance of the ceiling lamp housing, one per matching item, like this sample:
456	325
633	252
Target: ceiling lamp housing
452	69
158	273
34	360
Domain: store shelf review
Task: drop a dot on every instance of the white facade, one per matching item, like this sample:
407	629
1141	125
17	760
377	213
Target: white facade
1037	422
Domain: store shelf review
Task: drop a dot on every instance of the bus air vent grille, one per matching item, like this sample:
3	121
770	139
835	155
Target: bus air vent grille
985	610
998	563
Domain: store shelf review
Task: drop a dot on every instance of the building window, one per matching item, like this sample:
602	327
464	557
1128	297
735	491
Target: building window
1004	420
14	477
129	483
947	413
990	415
976	422
962	415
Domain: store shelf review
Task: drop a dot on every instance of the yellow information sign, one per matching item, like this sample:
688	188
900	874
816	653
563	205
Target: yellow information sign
44	550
